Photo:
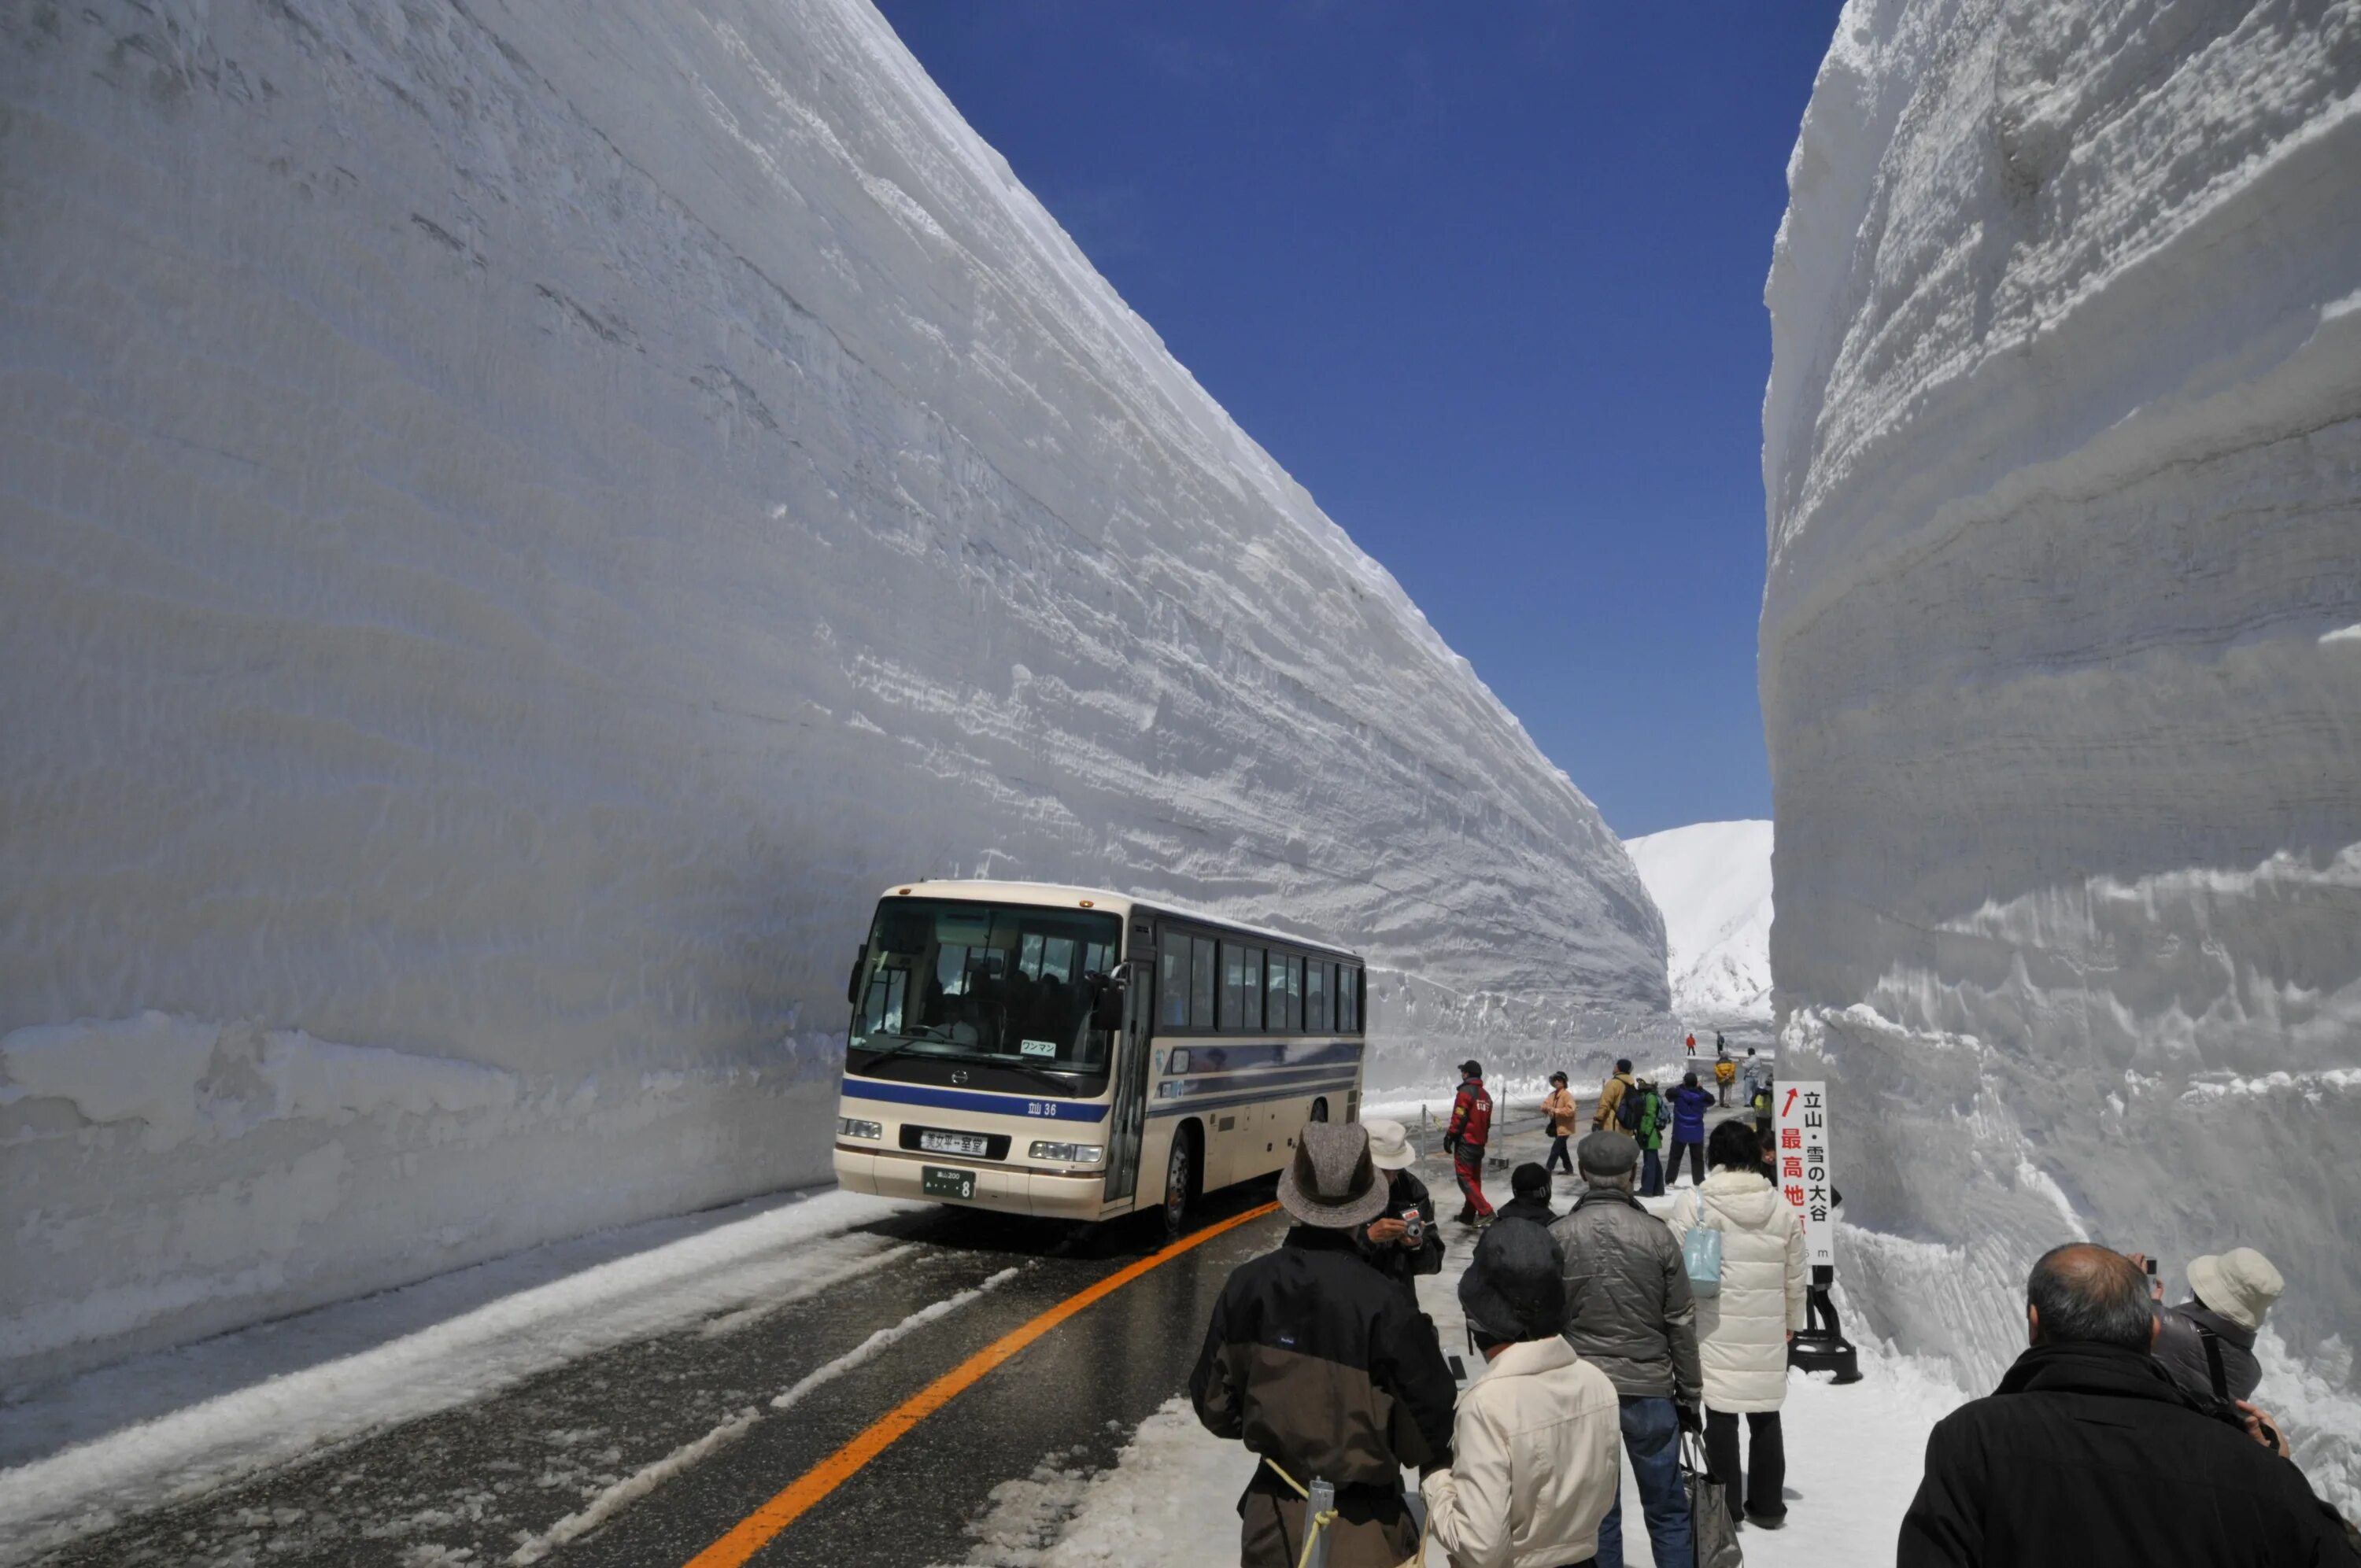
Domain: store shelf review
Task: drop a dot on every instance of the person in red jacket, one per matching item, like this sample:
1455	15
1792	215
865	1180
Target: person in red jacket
1471	1128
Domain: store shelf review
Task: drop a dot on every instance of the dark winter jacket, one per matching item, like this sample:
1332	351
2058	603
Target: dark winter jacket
1314	1360
2180	1350
1689	1106
2090	1454
1628	1312
1535	1208
1403	1264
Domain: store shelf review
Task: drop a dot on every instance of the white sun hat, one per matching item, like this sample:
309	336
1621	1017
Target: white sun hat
1389	1146
2239	1283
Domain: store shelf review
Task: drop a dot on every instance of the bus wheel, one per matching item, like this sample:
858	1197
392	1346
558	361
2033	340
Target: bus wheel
1177	1177
1320	1109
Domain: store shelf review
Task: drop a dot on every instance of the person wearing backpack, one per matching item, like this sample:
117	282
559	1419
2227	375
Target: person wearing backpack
1745	1317
1609	1117
1689	1102
1651	1136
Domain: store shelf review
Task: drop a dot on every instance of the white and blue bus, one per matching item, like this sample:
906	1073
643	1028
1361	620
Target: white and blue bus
1067	1052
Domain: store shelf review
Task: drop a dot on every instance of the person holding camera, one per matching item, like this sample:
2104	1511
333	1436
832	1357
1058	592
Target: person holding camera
1629	1312
1402	1242
2208	1342
2088	1452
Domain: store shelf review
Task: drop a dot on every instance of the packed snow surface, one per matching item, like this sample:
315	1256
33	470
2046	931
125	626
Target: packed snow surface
2062	451
520	519
1854	1459
1712	882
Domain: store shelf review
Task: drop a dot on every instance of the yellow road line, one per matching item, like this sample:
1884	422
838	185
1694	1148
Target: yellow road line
758	1529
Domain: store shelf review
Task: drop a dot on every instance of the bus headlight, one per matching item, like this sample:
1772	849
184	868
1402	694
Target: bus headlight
854	1127
1069	1154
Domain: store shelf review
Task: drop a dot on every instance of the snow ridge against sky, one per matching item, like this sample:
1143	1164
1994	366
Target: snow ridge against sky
522	519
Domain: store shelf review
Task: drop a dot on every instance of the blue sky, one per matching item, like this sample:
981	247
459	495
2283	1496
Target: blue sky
1487	280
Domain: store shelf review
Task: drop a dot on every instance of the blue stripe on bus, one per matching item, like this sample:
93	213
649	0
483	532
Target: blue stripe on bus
1222	1083
1209	1055
1255	1097
974	1100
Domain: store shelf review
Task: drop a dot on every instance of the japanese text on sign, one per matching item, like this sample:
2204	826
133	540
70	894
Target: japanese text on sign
1804	1164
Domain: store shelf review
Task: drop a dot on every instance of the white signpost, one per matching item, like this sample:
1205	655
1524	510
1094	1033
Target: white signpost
1804	1164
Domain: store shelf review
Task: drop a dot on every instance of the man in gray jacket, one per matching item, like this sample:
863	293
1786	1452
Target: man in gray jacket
1630	1314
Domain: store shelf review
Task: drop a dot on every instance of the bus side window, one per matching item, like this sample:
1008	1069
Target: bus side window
1241	989
1204	975
1317	1019
1172	983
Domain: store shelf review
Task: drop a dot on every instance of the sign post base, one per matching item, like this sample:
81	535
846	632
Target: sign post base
1826	1353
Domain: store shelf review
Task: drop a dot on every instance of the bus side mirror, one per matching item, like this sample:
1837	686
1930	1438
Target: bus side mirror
1106	1007
853	982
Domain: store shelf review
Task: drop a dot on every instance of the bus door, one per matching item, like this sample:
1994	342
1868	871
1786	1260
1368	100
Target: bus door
1127	1116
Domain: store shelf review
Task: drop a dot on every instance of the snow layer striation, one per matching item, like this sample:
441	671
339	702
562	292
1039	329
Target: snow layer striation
1712	882
520	517
2062	451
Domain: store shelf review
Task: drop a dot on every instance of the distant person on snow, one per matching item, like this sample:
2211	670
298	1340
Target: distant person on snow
1529	1183
2208	1344
1629	1312
1314	1360
1690	1104
1609	1116
1390	1248
1744	1328
1471	1128
2088	1452
1533	1467
1559	1106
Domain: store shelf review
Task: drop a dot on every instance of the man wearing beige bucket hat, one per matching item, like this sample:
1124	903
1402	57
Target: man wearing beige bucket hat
1403	1242
1317	1363
2208	1344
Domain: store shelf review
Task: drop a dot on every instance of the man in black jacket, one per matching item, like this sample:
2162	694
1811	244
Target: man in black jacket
2089	1453
1315	1361
1399	1248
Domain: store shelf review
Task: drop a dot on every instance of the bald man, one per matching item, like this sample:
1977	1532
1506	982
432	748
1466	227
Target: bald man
2088	1452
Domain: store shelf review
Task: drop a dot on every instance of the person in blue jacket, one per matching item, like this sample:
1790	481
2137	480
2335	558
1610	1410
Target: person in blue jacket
1689	1104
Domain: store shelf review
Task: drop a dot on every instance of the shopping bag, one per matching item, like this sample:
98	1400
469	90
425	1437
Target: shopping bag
1713	1531
1701	1259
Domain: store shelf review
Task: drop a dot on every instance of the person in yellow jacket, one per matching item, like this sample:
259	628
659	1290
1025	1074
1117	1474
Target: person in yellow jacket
1609	1117
1559	1107
1725	1073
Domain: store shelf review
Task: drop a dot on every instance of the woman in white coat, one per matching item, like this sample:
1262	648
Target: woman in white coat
1742	1331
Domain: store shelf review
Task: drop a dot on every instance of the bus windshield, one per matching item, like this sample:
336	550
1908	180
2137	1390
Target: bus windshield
1002	984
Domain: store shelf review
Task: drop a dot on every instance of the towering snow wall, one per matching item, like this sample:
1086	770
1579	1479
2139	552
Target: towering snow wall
2061	651
519	518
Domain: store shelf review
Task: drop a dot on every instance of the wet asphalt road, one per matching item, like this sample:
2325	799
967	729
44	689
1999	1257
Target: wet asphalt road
472	1485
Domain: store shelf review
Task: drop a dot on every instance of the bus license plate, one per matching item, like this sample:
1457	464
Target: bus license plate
937	1182
971	1144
